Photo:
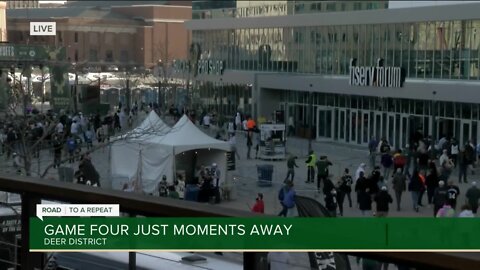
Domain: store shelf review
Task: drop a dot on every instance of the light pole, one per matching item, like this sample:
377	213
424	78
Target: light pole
160	71
310	124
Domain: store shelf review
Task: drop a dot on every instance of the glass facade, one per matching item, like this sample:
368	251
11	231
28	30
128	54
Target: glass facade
437	50
242	9
355	119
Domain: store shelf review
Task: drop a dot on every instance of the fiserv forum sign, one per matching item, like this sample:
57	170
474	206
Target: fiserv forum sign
378	76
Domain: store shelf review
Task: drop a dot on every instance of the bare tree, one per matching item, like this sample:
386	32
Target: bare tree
164	70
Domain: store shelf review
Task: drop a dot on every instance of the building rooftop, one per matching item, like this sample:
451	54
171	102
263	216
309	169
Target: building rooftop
112	3
65	12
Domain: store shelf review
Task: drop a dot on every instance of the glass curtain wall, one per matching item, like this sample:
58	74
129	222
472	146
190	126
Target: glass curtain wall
438	50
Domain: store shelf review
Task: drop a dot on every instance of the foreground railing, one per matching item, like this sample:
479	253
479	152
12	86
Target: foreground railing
34	190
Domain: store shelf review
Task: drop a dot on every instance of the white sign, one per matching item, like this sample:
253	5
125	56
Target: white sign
43	28
209	66
77	210
376	76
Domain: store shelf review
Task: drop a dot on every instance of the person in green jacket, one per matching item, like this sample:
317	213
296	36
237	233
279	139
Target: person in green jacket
311	160
322	170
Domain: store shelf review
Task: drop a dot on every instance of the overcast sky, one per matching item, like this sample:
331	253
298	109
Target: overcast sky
402	4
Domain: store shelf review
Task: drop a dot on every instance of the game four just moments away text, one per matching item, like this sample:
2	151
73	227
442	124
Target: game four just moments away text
100	234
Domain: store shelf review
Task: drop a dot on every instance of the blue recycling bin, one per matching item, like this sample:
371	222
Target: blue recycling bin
265	173
191	193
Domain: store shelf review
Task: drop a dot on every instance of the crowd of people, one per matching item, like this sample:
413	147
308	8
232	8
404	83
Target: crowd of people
422	169
67	137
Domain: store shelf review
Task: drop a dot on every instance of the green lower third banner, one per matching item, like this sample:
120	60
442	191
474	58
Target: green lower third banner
300	234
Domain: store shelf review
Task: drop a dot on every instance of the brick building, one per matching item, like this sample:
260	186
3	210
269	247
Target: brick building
133	35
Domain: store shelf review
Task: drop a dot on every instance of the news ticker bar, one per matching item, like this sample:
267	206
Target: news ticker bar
124	233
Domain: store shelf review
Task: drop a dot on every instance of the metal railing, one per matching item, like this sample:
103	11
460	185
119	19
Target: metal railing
33	190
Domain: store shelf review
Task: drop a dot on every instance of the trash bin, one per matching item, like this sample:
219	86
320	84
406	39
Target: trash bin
191	193
265	173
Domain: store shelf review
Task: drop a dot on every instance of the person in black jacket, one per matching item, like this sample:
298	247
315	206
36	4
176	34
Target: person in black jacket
431	182
328	187
89	171
373	181
415	186
439	197
331	202
364	199
344	189
382	199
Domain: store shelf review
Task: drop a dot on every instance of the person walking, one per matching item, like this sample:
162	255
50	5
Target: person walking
415	186
439	197
462	166
233	144
423	179
372	148
311	161
331	202
286	197
291	164
71	147
408	154
344	189
387	162
382	200
249	143
399	160
431	182
452	194
473	195
399	186
259	206
322	170
363	197
454	151
57	150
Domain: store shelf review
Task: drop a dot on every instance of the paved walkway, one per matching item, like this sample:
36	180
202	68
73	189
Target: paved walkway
245	175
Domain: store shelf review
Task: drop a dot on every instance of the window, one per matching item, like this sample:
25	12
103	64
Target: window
316	6
93	55
60	37
76	37
299	7
331	7
298	36
109	56
124	56
357	6
21	36
76	55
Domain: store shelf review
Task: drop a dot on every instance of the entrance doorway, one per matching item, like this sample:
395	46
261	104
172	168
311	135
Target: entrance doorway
324	123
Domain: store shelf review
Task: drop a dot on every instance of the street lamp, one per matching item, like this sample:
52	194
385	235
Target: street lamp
75	94
310	109
160	71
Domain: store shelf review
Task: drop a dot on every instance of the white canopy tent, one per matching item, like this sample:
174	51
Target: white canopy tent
182	147
139	146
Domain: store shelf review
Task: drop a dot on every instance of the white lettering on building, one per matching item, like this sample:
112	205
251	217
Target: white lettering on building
376	76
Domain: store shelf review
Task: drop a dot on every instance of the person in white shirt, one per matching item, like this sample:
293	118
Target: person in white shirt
59	128
233	143
443	158
206	121
74	128
238	121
